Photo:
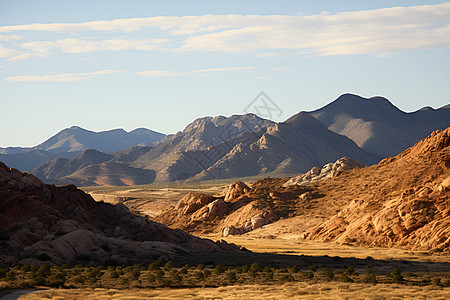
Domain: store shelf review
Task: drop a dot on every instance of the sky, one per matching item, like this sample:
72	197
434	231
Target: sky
161	64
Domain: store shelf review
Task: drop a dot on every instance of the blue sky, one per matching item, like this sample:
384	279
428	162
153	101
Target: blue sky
161	64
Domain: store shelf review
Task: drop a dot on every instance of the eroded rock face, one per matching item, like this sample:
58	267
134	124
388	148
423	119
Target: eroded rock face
64	225
236	210
257	221
328	171
410	206
235	190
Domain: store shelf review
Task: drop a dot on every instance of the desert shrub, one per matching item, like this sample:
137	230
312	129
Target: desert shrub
345	278
159	274
3	271
135	274
313	268
369	277
199	275
153	266
25	268
10	276
245	268
206	273
43	271
176	278
219	269
56	280
231	277
169	264
267	269
436	281
396	276
200	267
286	278
294	269
269	275
256	267
253	273
309	275
327	273
113	274
350	271
79	279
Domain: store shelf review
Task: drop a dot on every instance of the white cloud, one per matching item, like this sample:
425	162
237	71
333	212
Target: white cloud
375	31
6	37
224	69
2	67
6	52
68	77
161	73
45	48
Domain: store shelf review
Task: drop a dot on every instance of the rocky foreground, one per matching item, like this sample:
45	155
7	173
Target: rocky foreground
44	223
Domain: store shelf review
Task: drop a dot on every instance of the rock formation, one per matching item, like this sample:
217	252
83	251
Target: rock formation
404	201
234	212
329	170
41	223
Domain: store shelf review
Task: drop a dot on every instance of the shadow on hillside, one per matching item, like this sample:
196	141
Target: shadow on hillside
303	261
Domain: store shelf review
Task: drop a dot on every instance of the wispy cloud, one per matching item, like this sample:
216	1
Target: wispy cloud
6	52
45	48
386	30
6	37
161	73
224	69
68	77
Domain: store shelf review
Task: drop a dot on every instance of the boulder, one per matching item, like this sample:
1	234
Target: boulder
235	190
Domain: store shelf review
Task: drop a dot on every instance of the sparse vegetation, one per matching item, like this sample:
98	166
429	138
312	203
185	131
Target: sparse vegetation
153	276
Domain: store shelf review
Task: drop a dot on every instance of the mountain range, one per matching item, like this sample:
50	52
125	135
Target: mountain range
377	126
71	141
365	129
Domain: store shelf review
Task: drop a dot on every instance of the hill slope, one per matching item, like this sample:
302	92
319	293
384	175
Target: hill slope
402	201
379	127
293	146
64	225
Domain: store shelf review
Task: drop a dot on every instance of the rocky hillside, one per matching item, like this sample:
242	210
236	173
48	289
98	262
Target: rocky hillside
92	167
201	134
402	201
290	147
328	171
379	127
44	223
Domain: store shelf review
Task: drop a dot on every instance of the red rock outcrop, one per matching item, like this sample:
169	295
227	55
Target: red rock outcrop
64	225
406	204
236	212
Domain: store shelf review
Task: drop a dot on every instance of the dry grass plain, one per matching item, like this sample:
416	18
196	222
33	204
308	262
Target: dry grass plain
297	290
282	237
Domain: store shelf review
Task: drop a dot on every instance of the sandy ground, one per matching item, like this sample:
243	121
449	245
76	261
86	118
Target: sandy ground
296	290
